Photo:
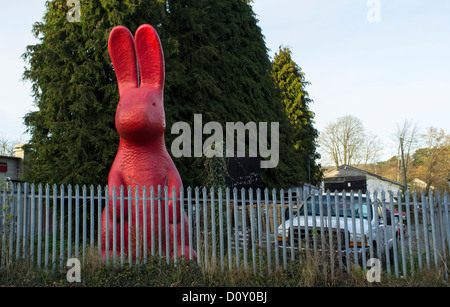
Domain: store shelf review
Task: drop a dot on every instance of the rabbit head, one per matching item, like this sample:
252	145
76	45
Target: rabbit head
140	112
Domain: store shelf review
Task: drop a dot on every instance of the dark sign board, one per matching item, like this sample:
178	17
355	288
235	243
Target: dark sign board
243	173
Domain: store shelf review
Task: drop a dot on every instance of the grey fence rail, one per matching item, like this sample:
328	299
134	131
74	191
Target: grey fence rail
257	230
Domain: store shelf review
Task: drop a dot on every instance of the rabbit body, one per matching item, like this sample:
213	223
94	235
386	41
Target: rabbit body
142	159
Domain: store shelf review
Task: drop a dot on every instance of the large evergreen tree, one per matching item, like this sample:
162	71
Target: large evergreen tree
216	65
291	83
73	138
223	72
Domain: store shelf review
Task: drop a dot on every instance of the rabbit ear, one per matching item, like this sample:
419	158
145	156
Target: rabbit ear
150	56
123	55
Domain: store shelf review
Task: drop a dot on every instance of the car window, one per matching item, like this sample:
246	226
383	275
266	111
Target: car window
313	206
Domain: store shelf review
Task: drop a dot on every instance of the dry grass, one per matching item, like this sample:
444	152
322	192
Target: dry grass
311	272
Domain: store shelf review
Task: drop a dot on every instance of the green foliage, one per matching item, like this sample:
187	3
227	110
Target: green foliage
291	83
73	138
221	70
216	65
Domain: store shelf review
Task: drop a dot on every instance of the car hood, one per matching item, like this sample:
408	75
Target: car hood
335	221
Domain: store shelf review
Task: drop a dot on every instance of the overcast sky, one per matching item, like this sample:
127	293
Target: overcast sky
381	72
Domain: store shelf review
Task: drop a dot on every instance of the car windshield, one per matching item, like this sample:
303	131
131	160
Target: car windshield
313	206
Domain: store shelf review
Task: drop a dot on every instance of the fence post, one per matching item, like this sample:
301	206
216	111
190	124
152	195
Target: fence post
275	228
174	229
221	230
182	224
416	222
402	234
92	218
130	225
236	227
40	217
377	212
13	224
426	228
121	226
364	239
144	221
26	217
205	225
268	241
107	224
166	224
55	214
291	225
230	249
352	212
152	221
408	221
160	222
394	236
138	230
330	231
47	221
252	229
434	230
299	201
84	222
305	220
197	224
114	224
32	226
244	228
61	231
322	229
99	220
258	209
191	241
19	220
386	245
441	226
213	227
77	221
283	227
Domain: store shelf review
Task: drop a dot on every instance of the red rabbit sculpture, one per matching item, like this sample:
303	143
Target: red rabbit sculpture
142	158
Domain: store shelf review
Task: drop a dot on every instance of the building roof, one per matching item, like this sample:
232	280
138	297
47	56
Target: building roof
10	158
350	171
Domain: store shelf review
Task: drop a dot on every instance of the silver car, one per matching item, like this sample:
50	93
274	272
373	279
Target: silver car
353	222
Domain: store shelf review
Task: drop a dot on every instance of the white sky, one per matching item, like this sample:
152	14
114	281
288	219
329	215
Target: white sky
382	72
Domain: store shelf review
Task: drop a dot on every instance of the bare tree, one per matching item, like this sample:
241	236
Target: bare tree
345	142
405	138
6	146
372	149
436	161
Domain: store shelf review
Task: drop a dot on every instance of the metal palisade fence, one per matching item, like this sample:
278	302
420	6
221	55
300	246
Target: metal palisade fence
224	229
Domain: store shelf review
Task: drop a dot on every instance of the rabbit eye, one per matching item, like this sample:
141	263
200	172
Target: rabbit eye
154	104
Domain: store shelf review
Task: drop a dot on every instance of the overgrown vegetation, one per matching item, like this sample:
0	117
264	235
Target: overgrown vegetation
157	273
